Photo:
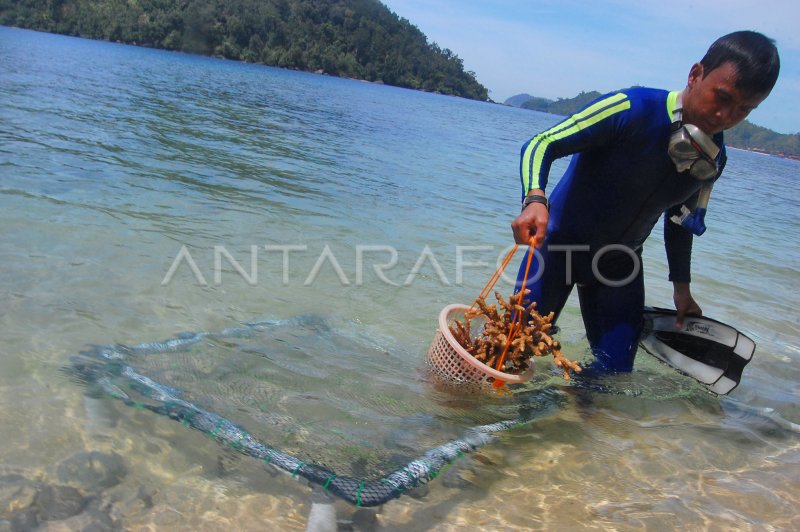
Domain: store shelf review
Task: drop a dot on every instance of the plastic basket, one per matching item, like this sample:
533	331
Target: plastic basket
451	364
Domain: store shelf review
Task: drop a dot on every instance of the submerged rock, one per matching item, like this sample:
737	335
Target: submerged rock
364	520
58	502
24	520
93	471
420	492
17	494
455	479
27	503
94	518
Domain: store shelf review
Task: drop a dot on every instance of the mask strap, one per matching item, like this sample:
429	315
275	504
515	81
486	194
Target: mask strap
677	112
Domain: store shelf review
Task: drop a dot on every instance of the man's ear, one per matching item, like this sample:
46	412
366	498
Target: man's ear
695	74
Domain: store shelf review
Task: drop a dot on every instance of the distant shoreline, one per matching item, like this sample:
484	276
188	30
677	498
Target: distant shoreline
763	152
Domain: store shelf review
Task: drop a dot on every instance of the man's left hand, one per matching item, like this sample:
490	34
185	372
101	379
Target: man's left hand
684	303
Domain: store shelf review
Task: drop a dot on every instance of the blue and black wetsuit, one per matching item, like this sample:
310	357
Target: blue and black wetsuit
618	184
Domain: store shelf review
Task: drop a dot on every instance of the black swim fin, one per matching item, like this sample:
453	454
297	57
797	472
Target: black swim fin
711	352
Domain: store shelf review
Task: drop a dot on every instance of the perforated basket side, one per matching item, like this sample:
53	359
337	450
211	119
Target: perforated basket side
452	364
449	366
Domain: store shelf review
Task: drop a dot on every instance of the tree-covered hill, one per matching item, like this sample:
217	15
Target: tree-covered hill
360	39
749	136
746	135
561	106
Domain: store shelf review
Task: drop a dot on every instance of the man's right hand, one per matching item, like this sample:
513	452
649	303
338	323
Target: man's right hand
532	222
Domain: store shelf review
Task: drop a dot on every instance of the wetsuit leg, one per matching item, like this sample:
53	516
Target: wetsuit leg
549	287
613	320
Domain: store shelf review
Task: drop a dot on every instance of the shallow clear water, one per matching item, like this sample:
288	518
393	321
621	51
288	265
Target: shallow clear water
113	158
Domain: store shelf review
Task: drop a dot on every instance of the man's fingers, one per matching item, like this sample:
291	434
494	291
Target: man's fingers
522	230
541	231
679	319
532	222
521	235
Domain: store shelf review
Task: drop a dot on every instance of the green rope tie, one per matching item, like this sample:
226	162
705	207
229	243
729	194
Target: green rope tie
432	473
217	427
442	470
296	469
358	495
238	443
187	418
414	479
328	482
268	459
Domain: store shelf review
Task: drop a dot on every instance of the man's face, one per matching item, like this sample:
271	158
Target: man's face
714	103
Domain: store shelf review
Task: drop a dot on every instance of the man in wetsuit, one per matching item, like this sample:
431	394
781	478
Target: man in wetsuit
637	154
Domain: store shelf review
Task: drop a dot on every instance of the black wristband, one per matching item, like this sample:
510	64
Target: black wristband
535	198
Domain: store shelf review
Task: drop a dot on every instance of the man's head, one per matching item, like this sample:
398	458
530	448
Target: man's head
736	74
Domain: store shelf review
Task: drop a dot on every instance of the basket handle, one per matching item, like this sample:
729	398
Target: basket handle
516	324
489	286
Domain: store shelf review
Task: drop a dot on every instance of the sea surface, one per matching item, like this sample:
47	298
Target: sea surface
146	195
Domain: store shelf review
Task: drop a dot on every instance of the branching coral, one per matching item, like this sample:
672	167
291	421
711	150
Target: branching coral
529	331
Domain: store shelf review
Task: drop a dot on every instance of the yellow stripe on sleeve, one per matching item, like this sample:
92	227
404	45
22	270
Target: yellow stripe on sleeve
536	149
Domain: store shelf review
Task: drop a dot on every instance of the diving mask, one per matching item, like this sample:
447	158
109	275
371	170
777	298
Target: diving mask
691	149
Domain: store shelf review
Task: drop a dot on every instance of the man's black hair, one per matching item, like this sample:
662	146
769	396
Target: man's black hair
754	56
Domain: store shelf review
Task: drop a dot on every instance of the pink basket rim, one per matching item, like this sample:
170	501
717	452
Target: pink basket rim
444	315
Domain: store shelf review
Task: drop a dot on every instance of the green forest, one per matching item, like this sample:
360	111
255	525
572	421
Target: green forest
359	39
746	135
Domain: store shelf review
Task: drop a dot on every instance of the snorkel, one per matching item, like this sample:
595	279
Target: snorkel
694	220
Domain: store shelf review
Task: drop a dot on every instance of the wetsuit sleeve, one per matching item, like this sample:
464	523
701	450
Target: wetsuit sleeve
597	124
678	244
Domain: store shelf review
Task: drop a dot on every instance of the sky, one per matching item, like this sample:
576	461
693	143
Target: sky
558	48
